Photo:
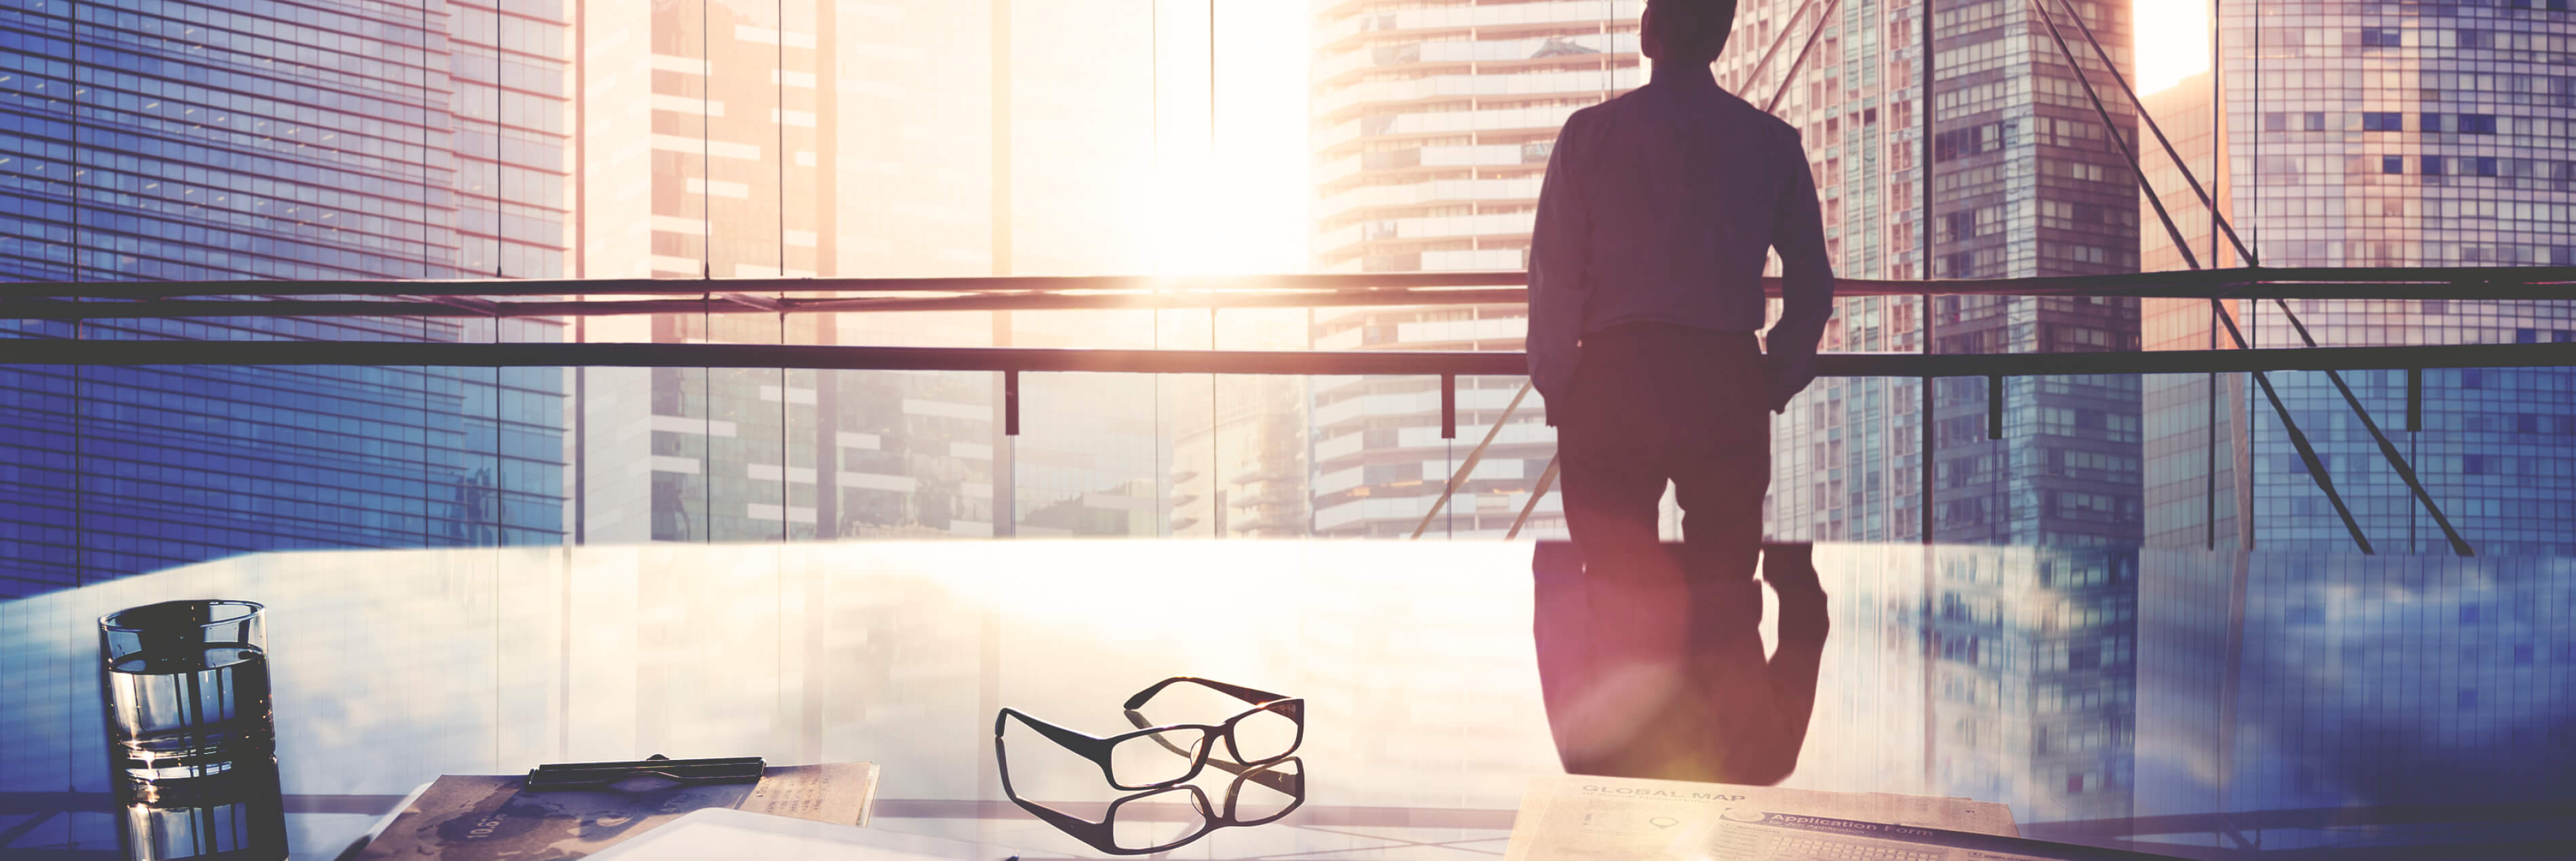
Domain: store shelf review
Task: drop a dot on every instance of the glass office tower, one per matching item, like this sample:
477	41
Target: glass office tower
258	140
2185	506
2027	183
2413	135
912	139
1432	127
511	83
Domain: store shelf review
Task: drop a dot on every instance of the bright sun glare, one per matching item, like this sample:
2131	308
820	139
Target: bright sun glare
2172	42
1236	204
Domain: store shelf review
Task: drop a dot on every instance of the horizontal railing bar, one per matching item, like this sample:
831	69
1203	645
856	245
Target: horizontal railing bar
2184	285
771	286
58	309
28	351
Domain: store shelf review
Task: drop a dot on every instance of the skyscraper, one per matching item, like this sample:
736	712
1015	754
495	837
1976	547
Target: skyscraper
261	140
2026	183
2181	451
1433	125
913	139
511	111
2398	136
1419	110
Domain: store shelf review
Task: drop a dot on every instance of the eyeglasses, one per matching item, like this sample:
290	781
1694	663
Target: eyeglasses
1157	762
1266	733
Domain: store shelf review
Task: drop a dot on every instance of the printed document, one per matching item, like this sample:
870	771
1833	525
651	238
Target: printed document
1741	833
1614	819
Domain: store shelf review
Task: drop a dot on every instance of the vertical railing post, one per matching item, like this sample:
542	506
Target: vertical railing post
2414	399
1925	456
1010	403
1925	102
1448	406
1995	407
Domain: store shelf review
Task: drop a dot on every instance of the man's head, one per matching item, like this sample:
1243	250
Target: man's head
1686	31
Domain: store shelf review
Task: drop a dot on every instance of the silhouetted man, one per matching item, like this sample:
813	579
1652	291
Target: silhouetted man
1645	293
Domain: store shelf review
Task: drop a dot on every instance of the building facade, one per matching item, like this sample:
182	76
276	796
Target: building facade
2398	136
2026	182
268	140
914	139
2194	463
1432	127
1239	459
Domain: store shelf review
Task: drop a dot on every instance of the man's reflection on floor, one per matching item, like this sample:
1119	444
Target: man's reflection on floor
1668	681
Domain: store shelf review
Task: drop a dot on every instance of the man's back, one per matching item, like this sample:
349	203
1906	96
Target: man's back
1661	206
1683	184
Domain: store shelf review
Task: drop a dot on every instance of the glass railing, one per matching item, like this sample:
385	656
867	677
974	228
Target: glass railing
165	424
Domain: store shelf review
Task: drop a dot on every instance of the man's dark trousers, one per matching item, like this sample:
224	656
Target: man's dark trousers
1651	661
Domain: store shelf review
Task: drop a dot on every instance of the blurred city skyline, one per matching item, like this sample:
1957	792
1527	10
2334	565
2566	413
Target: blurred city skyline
693	139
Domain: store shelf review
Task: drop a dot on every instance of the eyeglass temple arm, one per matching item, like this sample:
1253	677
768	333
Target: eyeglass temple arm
1249	695
1089	747
1260	773
1079	829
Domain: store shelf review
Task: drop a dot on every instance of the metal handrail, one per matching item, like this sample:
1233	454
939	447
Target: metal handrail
34	351
2383	282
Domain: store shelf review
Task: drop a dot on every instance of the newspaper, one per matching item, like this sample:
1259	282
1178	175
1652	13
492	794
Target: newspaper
1750	833
488	818
1615	819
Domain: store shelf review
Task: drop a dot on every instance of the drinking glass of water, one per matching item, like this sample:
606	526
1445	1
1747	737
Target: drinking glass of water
191	746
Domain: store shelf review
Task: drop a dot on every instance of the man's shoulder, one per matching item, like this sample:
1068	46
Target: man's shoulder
1743	111
1731	107
1599	117
1597	111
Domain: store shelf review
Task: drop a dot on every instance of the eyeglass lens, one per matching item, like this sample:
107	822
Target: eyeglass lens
1160	757
1156	819
1265	734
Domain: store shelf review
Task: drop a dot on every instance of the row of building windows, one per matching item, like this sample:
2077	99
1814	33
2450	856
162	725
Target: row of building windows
2395	121
2395	37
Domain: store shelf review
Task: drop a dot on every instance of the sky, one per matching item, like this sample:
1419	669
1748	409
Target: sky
1232	196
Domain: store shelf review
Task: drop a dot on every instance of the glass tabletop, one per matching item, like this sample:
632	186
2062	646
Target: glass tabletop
2197	704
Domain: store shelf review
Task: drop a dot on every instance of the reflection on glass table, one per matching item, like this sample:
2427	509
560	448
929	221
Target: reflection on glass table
2196	704
1157	762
